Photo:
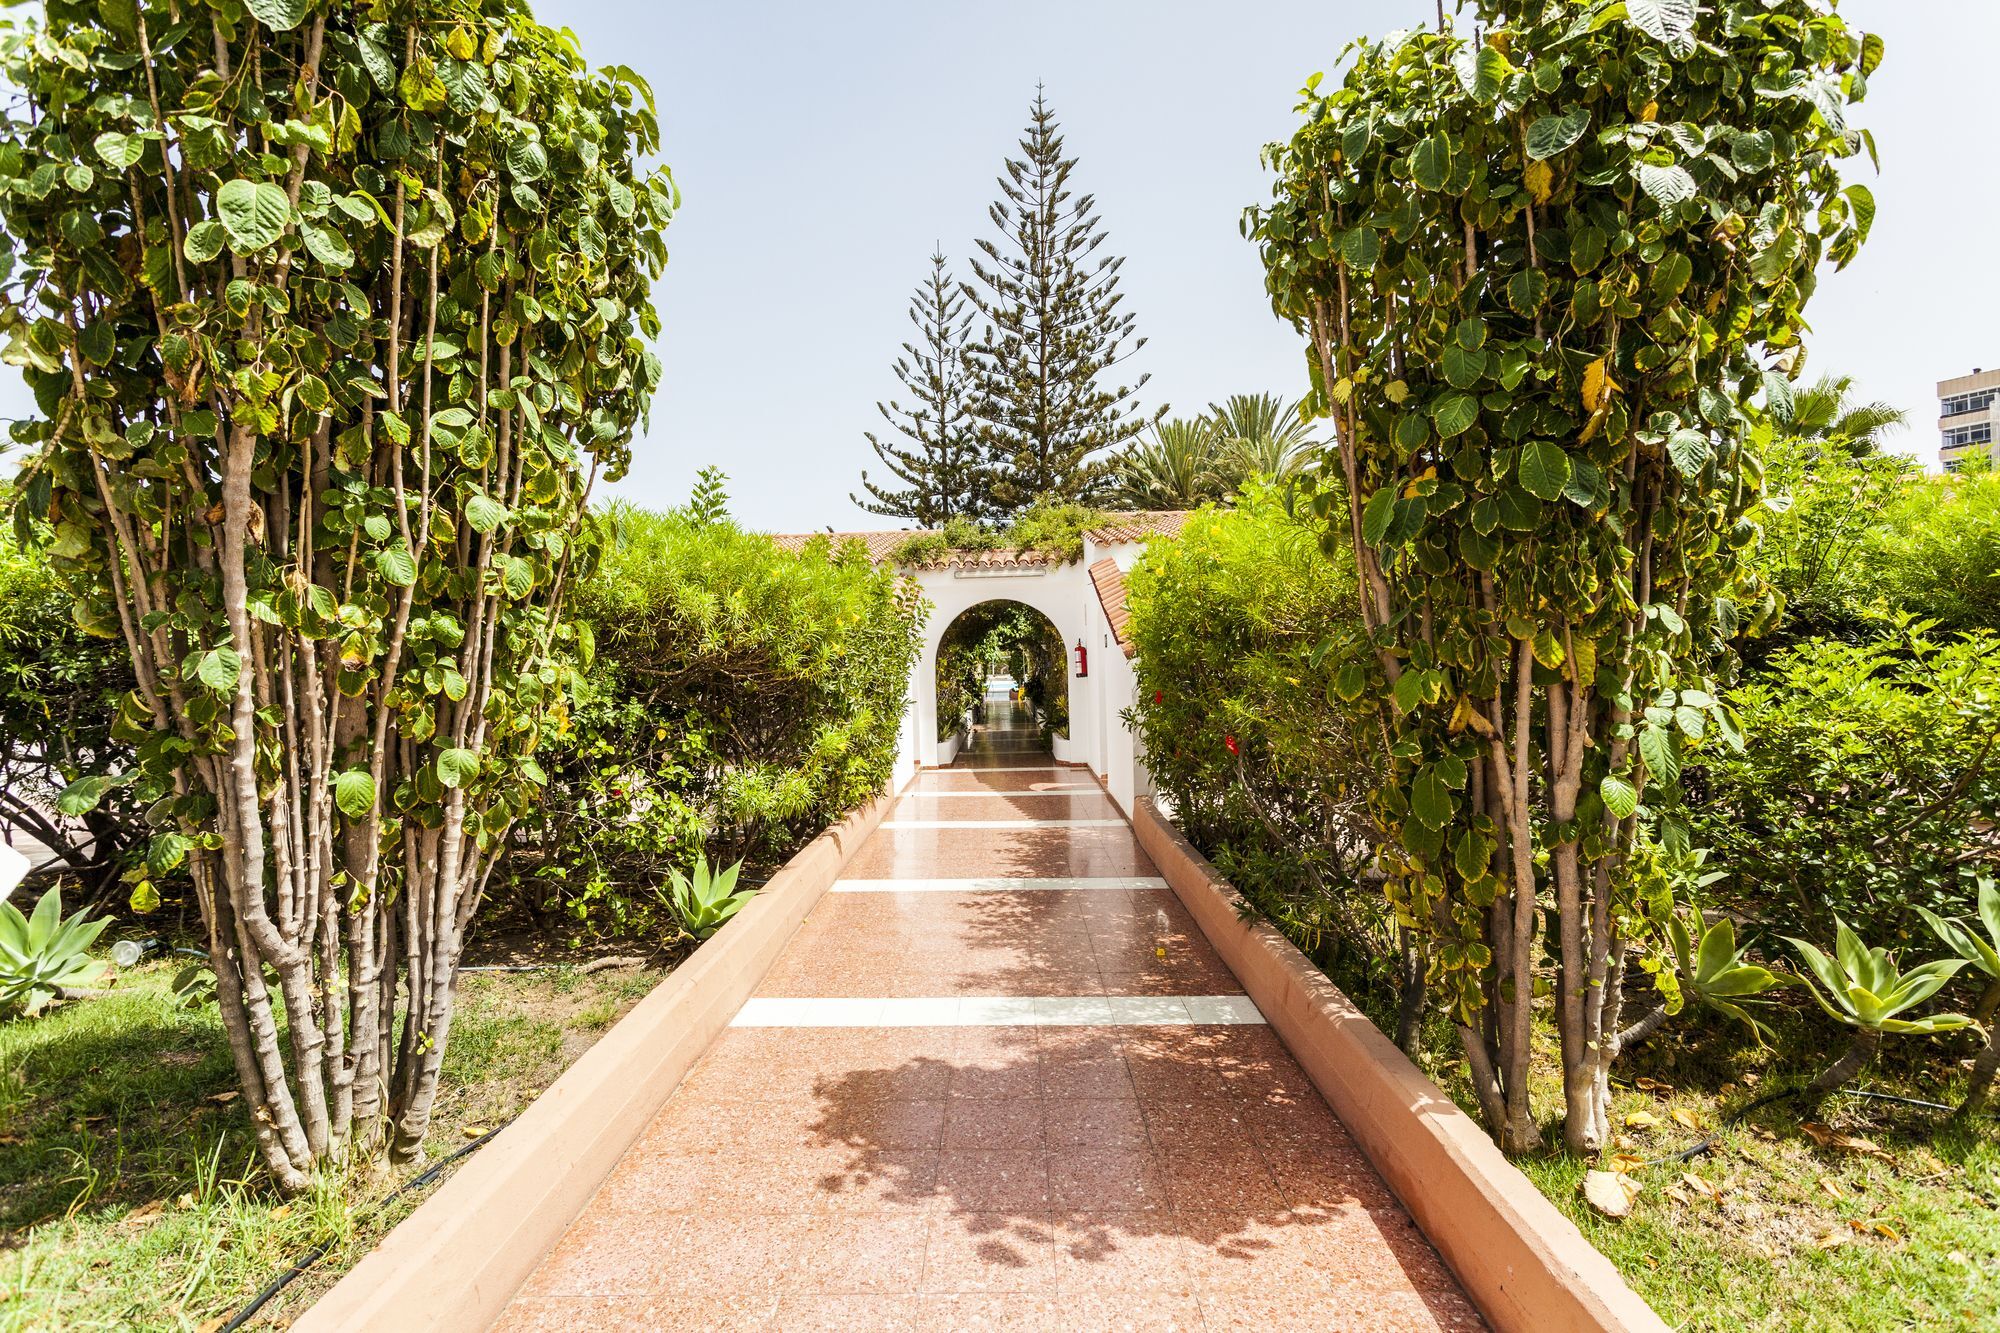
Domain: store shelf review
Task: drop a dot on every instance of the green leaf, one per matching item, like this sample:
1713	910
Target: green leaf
1550	135
279	15
1690	451
1753	150
1519	511
1620	797
1544	469
81	797
1862	200
1668	22
518	577
1454	413
203	241
397	565
1657	748
354	793
1462	368
1430	164
120	151
219	669
1431	800
456	767
484	512
1375	516
254	213
1667	185
326	245
528	160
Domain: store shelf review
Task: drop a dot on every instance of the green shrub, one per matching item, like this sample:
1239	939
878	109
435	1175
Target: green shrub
1867	787
1822	528
1241	622
1052	529
1936	551
59	688
741	697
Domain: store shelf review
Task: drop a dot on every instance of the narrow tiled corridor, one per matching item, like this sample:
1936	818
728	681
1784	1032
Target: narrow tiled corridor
997	1081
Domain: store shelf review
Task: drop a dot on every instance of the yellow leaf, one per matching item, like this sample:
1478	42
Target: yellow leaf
1651	111
1697	1184
1685	1118
1641	1120
1884	1230
1540	178
1396	390
1833	1189
1597	385
1343	389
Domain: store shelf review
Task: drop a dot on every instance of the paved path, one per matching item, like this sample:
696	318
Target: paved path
997	1081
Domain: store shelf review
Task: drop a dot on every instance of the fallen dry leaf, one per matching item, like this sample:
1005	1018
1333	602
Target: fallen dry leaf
211	1325
1686	1118
281	1212
1610	1192
1698	1185
1827	1137
1832	1240
1833	1189
224	1098
1884	1230
1641	1120
474	1131
1625	1161
1652	1085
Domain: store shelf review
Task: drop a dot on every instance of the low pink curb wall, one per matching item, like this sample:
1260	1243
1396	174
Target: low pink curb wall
456	1261
1523	1263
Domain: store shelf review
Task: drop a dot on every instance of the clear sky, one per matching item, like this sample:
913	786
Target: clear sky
823	149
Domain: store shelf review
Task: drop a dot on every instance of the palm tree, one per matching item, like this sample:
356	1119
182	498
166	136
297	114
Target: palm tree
1824	412
1173	468
1260	435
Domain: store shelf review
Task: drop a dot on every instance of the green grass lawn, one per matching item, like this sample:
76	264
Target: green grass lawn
129	1192
1775	1229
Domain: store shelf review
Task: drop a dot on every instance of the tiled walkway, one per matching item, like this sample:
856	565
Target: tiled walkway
997	1081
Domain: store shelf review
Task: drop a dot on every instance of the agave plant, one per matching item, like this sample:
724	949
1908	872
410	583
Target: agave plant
1864	990
1713	973
43	953
1983	954
708	900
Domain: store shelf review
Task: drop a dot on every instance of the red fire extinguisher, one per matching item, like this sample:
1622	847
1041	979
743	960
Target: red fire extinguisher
1082	659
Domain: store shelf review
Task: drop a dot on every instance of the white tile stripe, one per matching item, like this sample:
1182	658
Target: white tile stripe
1001	823
1002	884
1066	793
999	1011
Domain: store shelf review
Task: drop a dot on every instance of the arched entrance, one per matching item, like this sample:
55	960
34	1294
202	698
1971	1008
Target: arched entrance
1054	595
991	649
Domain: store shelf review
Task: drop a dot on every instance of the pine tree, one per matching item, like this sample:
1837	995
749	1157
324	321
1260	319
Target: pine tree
940	463
1052	329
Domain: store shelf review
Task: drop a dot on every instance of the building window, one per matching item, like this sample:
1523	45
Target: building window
1982	433
1961	403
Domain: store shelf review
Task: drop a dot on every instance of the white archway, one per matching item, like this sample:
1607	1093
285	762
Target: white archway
1055	591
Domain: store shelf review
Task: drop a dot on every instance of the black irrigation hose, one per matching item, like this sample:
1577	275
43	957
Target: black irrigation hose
1736	1117
318	1252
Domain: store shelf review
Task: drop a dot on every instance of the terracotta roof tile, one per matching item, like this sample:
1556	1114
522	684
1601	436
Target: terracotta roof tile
1131	526
1136	526
1109	580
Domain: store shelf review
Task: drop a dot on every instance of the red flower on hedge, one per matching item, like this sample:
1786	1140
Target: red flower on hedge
1230	741
1159	696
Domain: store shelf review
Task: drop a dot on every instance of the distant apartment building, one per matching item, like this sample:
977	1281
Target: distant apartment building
1968	415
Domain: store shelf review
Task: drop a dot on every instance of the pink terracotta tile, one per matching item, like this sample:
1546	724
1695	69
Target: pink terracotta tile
1343	1312
862	1253
1197	1127
1131	1312
1119	1252
1094	1122
822	1313
990	1252
1220	1181
1105	1180
993	1123
632	1314
1013	1313
994	1180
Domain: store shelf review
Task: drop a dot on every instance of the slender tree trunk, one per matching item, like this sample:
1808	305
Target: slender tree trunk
1859	1055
